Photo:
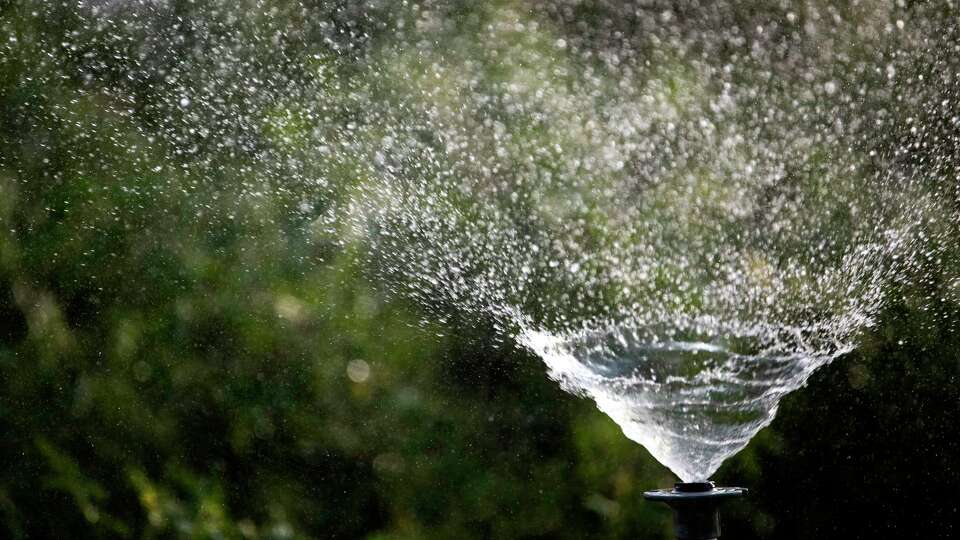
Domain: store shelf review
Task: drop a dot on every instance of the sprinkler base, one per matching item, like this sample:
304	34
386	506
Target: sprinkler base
695	507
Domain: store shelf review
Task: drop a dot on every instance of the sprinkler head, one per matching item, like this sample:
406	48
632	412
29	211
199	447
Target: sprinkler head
695	507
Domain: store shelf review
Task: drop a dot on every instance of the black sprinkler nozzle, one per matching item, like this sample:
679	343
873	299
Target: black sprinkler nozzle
695	505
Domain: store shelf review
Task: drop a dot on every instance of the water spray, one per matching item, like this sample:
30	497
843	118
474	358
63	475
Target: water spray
696	507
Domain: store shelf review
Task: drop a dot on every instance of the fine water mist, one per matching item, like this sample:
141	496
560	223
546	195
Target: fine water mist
683	210
683	226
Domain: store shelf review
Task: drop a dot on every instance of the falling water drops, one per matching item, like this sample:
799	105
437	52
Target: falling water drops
683	213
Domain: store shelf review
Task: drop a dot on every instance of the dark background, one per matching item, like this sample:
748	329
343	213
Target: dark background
174	352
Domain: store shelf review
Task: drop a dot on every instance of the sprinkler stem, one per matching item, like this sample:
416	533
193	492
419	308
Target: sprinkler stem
695	505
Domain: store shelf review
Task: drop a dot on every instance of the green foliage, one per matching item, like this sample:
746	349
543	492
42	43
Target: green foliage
182	355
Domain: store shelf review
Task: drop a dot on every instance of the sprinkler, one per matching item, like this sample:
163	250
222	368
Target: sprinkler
696	505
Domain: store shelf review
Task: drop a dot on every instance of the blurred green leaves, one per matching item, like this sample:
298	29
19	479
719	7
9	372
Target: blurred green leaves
184	353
